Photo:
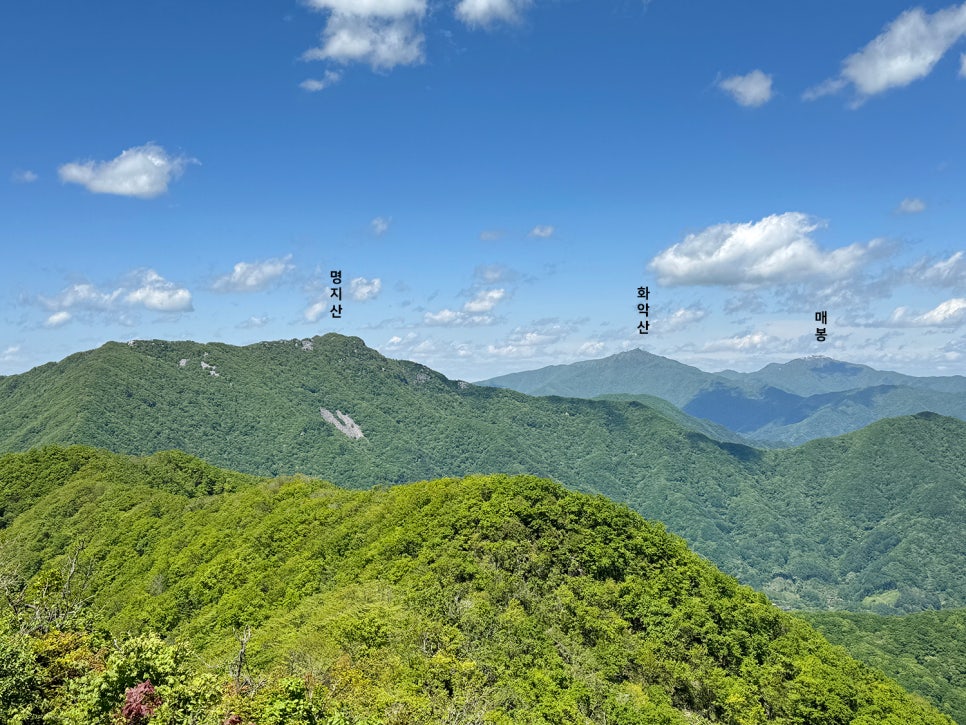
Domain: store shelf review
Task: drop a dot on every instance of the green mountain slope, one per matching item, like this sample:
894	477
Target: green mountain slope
689	422
925	652
487	599
780	521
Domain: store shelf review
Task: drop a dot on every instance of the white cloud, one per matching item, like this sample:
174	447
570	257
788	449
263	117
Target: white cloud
683	317
751	341
471	313
543	231
376	8
24	177
10	353
314	311
58	318
142	171
753	89
494	273
906	50
445	316
949	272
490	235
487	12
774	250
962	65
83	295
380	225
143	288
591	348
951	313
253	276
254	322
314	85
485	300
157	293
382	41
911	205
363	289
827	87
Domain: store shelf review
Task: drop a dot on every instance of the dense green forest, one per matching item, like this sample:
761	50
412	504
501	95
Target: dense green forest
165	590
925	652
867	521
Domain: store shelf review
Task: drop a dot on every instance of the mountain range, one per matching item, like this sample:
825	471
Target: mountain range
869	521
779	405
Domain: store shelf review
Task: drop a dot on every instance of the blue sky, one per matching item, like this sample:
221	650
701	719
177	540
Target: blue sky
494	178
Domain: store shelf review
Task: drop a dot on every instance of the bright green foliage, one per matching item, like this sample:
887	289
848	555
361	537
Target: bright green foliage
867	521
924	652
489	599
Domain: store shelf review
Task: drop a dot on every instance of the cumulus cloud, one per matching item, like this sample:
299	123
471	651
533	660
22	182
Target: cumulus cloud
58	318
472	314
741	343
25	176
314	85
543	231
776	249
411	344
157	293
951	313
254	322
314	311
905	51
144	289
490	235
83	295
10	353
378	8
911	205
142	171
363	289
950	272
382	33
591	347
380	225
752	90
683	317
533	340
485	300
253	276
487	12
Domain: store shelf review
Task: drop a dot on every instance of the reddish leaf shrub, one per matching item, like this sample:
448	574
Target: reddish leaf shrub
140	702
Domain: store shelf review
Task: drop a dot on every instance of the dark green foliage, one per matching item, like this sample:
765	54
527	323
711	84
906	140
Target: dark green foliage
924	652
864	521
699	425
494	599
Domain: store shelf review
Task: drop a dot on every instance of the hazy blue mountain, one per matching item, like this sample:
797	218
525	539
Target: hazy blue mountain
634	372
780	405
818	374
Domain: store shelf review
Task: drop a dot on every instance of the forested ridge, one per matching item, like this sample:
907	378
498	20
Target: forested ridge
925	652
866	521
165	590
